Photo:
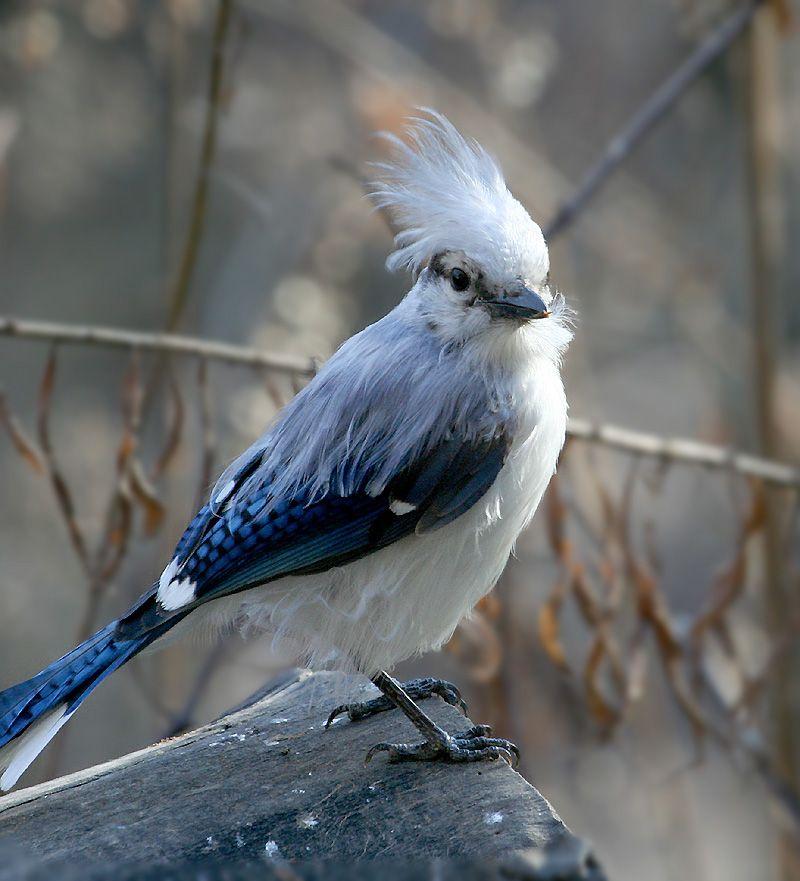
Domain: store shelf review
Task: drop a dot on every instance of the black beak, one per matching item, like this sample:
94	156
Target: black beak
523	304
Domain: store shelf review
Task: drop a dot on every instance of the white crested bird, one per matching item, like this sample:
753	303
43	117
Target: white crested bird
384	500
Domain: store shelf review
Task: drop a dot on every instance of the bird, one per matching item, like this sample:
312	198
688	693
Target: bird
384	500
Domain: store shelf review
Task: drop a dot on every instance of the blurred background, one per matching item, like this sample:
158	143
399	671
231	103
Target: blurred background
196	167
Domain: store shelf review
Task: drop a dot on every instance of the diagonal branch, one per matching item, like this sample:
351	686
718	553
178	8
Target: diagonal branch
653	110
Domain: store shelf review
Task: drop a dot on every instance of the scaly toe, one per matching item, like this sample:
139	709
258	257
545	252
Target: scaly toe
475	740
420	689
471	746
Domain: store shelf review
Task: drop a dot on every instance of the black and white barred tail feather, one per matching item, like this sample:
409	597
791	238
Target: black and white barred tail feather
32	712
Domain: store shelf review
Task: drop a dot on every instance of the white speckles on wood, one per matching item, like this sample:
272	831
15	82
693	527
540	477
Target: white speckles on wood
304	794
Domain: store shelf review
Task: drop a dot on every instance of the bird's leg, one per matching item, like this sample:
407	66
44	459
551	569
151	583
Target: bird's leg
416	689
473	745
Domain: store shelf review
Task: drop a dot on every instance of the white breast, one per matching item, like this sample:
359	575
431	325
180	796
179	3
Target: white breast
409	597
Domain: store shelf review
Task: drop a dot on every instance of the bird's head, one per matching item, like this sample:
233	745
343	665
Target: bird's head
481	261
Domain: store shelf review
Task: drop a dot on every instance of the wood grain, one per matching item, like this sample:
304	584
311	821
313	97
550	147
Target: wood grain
266	786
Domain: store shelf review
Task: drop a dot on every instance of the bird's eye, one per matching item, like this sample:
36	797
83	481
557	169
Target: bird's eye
459	279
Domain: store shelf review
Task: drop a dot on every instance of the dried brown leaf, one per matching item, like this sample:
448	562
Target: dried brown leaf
490	606
22	444
601	709
587	602
729	584
116	538
549	627
145	495
784	16
175	433
61	489
477	646
556	514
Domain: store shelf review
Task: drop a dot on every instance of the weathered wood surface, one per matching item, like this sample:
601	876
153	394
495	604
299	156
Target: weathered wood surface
267	790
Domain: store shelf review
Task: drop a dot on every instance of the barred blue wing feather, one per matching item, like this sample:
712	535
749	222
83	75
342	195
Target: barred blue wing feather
259	538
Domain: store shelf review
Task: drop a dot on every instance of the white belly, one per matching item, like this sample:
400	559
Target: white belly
409	597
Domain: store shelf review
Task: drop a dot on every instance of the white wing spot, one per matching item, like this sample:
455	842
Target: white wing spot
271	848
398	507
223	495
492	819
168	574
173	594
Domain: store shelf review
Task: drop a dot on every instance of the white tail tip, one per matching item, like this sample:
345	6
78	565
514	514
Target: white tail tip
16	756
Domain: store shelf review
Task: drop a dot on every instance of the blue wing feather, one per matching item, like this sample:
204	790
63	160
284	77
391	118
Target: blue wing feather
258	539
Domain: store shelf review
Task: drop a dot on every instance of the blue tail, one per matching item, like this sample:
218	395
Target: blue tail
32	712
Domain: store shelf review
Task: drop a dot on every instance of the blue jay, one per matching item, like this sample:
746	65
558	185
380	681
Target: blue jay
385	499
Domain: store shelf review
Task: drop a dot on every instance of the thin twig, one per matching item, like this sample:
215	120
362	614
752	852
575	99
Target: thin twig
158	342
654	109
685	450
61	490
679	450
207	434
194	234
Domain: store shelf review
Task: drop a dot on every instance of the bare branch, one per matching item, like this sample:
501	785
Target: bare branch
678	450
654	109
194	234
157	342
685	450
207	434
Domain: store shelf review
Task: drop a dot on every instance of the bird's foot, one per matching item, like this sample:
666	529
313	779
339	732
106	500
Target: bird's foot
474	745
416	689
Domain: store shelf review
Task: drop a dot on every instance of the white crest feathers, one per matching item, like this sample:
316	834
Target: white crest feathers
446	193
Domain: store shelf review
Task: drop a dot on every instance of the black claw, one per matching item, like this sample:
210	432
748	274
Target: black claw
379	747
342	708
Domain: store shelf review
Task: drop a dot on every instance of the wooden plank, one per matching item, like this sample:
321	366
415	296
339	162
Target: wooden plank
267	784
